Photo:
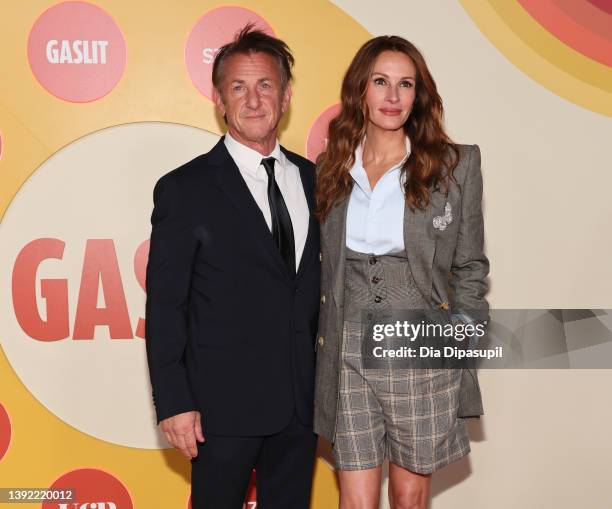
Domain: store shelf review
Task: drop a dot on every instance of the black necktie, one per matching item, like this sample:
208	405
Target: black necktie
282	230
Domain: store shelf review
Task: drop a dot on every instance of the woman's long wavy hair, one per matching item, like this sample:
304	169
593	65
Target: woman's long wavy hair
433	156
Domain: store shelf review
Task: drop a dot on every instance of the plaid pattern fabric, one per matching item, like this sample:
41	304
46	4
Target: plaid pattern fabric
379	286
407	416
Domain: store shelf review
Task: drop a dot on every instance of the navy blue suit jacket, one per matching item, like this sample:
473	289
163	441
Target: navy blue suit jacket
229	331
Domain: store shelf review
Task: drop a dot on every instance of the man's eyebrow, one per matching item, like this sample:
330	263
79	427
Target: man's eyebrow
237	80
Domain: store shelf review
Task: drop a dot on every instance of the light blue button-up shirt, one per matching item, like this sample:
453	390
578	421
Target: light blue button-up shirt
375	217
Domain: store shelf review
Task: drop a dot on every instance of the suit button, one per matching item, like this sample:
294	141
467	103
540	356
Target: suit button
373	260
375	279
320	257
321	340
377	299
444	306
322	299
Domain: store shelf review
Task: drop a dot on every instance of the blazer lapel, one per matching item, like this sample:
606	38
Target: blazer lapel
335	235
420	241
231	182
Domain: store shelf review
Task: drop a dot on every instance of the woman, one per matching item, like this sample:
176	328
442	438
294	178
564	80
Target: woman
400	211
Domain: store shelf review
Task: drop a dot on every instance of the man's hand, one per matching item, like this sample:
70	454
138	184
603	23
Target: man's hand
182	430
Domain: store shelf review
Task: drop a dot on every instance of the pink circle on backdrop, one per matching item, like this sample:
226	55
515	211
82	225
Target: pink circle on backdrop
214	29
93	487
5	431
317	134
88	56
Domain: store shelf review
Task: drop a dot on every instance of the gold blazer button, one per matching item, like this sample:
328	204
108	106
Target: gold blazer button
444	306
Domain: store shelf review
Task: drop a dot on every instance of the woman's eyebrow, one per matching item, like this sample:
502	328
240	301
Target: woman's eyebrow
386	76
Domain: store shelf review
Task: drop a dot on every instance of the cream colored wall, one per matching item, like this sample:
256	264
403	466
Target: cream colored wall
545	440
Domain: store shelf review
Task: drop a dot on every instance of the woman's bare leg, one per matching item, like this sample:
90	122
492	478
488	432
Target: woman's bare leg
408	490
359	489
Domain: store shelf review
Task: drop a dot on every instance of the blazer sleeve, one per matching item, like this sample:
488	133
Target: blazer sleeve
470	266
168	280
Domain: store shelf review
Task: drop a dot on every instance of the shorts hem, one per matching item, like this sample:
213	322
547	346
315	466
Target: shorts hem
437	466
355	468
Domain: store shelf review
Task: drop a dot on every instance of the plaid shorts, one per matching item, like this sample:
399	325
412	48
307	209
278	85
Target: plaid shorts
406	415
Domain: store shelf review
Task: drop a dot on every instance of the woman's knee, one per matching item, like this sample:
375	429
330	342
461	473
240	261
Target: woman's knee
408	490
409	499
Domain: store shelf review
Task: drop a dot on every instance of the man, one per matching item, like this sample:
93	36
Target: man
233	294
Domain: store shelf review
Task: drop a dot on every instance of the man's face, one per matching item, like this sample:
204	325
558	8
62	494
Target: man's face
251	97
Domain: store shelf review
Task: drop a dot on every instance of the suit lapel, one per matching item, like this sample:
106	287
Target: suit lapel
309	246
233	185
307	178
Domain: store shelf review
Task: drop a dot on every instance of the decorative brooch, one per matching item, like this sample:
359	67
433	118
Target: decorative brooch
441	222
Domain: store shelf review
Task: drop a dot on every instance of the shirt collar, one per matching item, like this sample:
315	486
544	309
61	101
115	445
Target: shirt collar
358	171
247	158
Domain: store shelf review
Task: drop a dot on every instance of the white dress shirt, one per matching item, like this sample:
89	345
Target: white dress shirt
375	217
287	177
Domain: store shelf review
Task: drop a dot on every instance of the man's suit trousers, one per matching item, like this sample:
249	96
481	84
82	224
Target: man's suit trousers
283	462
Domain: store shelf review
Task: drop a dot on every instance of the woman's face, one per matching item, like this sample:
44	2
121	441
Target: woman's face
390	91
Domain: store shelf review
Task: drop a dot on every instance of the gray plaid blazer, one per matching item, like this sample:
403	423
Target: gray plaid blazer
448	265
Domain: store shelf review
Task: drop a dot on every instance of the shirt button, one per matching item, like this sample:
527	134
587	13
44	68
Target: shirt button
322	299
321	340
375	279
377	299
373	260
